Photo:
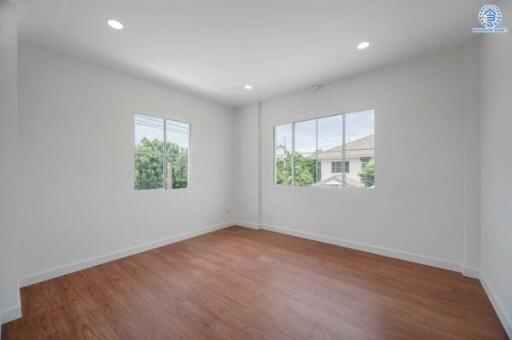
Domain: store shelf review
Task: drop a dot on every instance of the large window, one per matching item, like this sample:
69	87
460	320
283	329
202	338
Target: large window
334	151
162	153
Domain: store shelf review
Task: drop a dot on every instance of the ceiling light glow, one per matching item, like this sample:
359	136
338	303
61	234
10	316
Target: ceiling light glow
117	25
363	45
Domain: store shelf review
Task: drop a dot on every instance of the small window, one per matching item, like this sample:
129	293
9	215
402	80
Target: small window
162	153
337	167
319	152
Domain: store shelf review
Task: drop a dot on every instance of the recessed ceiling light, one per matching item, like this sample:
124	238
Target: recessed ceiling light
115	24
363	45
248	87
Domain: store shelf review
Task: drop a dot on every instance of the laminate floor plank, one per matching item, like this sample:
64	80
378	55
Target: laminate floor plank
240	283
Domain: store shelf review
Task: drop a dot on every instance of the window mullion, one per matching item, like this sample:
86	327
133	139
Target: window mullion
343	155
189	156
164	158
316	151
274	173
293	154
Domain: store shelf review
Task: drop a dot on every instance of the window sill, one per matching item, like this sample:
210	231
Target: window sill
295	187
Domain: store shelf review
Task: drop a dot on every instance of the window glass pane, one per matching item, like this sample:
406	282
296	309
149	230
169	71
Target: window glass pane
177	151
148	170
360	148
149	132
305	153
283	154
330	151
149	128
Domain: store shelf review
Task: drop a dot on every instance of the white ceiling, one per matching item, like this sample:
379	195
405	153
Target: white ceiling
214	47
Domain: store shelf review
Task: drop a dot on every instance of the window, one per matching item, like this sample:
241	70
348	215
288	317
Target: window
304	155
337	167
159	164
283	154
319	152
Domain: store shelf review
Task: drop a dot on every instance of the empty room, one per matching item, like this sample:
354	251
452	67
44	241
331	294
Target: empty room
232	169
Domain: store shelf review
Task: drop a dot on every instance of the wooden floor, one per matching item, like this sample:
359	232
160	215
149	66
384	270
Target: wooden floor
245	284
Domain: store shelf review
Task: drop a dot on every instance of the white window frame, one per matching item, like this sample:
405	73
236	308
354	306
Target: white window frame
167	181
343	151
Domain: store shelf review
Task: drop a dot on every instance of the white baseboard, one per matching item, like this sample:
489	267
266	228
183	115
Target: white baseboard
471	272
10	314
15	312
431	261
250	225
93	261
399	254
506	321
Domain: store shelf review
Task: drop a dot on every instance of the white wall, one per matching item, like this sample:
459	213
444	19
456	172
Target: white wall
76	163
76	160
472	157
8	159
417	211
245	202
496	167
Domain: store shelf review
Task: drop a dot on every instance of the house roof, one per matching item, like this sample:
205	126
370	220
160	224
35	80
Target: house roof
362	147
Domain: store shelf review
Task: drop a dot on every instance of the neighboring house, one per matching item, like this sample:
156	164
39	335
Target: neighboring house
358	153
